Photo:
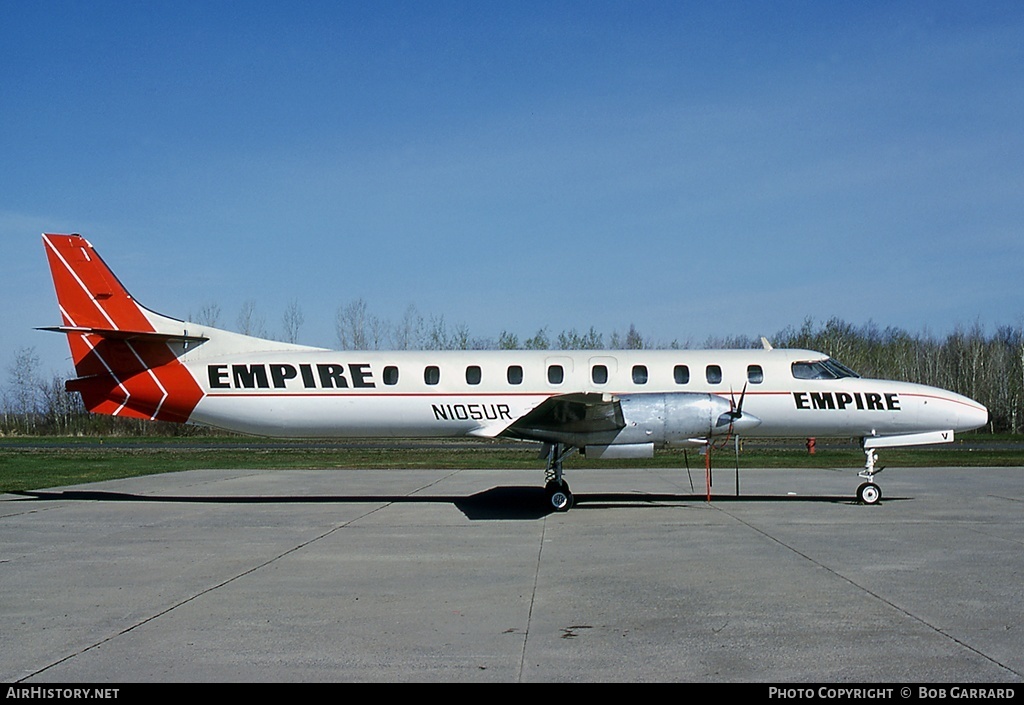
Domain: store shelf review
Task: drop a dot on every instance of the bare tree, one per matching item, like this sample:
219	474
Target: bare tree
208	315
350	326
539	341
408	334
249	323
571	340
292	321
23	395
437	337
62	410
634	341
508	341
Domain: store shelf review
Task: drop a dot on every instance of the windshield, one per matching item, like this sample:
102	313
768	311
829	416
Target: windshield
822	369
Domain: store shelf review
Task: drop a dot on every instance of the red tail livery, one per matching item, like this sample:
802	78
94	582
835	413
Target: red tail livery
125	364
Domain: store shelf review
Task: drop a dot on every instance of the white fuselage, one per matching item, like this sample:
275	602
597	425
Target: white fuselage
315	393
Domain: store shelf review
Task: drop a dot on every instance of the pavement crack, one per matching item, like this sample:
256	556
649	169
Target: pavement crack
533	600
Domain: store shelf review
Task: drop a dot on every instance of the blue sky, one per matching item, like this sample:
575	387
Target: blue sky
697	169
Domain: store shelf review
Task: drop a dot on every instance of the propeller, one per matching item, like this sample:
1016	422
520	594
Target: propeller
735	413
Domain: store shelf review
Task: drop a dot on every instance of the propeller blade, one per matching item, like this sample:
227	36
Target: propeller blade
743	394
735	411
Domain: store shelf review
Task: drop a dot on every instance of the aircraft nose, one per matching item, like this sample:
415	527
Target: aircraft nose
971	415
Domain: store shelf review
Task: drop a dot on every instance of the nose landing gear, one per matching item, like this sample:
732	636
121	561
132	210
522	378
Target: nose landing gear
869	492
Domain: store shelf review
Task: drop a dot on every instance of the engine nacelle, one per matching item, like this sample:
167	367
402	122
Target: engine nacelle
675	419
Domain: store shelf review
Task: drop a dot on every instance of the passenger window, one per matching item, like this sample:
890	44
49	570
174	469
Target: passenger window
473	374
390	375
714	374
432	375
639	374
681	373
555	374
599	374
755	375
515	374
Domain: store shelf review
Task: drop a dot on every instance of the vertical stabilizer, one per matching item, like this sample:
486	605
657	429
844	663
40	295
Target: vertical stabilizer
124	362
89	294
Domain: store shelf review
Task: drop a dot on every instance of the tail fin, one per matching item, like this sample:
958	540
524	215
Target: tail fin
89	294
122	352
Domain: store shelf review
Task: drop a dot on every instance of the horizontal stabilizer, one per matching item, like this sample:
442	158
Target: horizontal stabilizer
112	334
83	384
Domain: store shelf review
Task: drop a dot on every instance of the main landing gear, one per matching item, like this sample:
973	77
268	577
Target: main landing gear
559	496
869	492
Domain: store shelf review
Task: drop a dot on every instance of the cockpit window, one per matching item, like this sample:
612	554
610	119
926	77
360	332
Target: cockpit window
810	370
822	369
841	369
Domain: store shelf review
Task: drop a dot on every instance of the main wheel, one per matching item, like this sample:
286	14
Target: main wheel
869	493
560	497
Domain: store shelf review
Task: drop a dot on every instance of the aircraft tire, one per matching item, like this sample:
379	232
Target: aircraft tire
560	498
869	493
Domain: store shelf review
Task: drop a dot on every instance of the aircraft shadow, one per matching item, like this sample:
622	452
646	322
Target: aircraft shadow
496	503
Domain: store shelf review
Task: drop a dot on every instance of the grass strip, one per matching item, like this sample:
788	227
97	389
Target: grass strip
35	463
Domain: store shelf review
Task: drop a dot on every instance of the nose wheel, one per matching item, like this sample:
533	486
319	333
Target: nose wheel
869	492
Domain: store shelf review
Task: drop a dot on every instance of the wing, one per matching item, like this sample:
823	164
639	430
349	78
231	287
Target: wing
568	418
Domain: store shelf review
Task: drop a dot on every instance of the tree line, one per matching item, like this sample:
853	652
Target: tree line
985	366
